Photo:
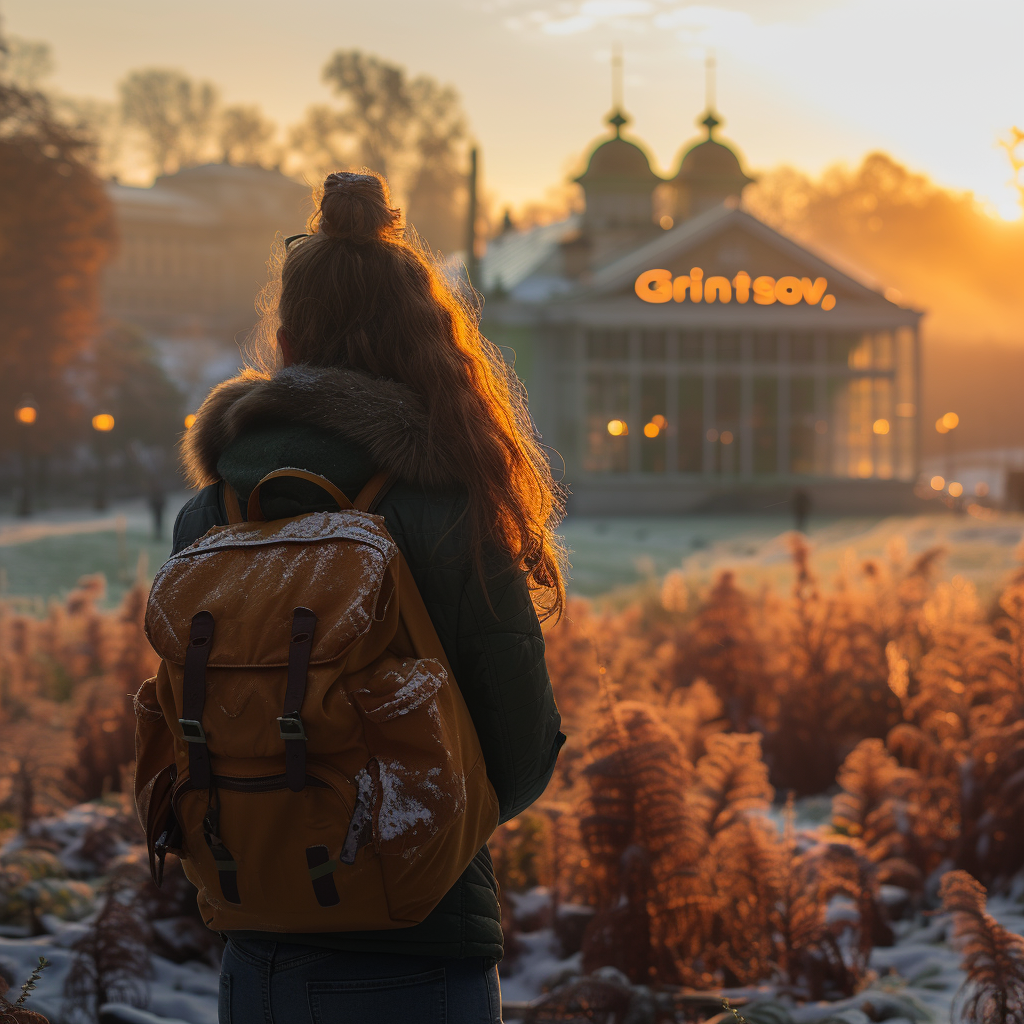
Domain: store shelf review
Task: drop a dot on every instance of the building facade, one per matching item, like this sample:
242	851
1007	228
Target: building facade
192	258
705	361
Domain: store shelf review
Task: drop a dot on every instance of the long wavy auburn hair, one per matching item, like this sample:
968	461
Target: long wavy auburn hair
362	293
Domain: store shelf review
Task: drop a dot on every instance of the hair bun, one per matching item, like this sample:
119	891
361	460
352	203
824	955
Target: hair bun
357	207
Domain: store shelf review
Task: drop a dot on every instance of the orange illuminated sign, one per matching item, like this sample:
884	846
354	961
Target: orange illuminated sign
661	286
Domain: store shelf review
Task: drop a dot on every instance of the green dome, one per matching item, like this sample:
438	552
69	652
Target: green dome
619	165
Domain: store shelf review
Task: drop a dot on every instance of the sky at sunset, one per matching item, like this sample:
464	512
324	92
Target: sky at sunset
804	82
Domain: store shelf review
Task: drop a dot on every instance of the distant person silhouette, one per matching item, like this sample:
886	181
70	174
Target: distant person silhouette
801	509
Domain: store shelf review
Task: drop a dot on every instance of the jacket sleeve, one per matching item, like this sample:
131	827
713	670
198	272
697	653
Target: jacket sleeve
506	686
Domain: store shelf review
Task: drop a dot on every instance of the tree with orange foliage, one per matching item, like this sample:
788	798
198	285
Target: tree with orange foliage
56	231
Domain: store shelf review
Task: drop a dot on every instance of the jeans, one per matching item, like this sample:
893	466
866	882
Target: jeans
284	983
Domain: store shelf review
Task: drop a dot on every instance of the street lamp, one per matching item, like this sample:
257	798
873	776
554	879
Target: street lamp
103	424
26	415
946	424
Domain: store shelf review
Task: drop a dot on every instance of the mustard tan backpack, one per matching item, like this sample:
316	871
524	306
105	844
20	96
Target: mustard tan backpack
304	747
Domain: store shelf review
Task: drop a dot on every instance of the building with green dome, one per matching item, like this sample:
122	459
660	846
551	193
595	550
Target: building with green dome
682	355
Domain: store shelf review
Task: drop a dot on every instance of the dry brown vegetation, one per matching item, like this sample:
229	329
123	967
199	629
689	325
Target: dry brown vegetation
696	718
691	716
66	714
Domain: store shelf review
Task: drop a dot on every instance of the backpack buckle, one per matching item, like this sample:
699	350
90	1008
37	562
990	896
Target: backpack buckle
291	727
192	731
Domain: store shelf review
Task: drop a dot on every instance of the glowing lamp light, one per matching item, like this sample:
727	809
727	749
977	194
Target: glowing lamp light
938	482
190	420
726	437
941	427
104	423
955	489
880	426
651	429
659	421
981	489
26	414
618	428
666	222
950	421
712	434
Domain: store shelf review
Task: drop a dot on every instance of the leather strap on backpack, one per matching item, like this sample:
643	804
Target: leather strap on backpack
194	697
366	501
231	505
290	723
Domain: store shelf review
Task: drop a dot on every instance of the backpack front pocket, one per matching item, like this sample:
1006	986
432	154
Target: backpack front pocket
256	846
419	789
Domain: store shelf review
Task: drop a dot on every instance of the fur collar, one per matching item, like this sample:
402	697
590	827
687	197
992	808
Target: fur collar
389	418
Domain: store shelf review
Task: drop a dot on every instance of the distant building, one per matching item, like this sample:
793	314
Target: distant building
192	258
702	359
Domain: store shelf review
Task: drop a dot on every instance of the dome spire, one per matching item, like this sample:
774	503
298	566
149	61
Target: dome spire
709	120
617	119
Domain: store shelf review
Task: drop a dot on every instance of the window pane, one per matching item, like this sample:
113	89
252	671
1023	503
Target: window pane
801	348
727	423
801	425
691	347
691	424
654	426
652	345
606	344
766	424
766	348
727	347
607	406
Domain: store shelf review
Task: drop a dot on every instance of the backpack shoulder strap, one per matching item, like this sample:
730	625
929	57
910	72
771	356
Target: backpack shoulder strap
367	500
373	493
231	505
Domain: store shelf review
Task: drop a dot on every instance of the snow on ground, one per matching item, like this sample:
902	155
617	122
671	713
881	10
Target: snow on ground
917	978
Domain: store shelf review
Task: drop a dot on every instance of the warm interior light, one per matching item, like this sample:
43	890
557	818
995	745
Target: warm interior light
727	437
617	428
950	420
104	422
938	482
940	426
906	409
955	489
712	434
189	420
865	468
666	222
659	421
651	429
880	426
26	414
981	489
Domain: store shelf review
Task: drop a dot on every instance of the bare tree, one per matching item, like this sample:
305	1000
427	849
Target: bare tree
245	135
412	130
174	114
320	143
24	63
378	105
436	195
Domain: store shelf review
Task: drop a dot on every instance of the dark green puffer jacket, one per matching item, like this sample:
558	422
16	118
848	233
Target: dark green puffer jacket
347	426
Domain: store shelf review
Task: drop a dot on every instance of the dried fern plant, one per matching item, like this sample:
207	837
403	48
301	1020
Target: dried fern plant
993	957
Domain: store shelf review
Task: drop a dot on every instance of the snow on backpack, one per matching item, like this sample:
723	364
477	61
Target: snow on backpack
304	747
